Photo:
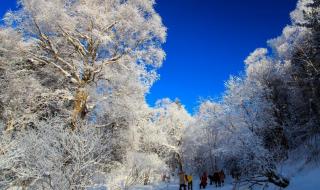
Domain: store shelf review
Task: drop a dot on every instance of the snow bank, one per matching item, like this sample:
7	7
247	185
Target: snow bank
308	179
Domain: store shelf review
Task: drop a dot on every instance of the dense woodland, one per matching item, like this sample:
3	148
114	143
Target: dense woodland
74	77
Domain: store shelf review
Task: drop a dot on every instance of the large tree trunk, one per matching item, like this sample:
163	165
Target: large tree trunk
80	106
179	159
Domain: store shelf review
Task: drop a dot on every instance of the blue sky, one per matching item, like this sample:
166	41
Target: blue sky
208	41
6	5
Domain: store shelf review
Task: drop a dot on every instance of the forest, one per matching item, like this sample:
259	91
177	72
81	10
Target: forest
74	77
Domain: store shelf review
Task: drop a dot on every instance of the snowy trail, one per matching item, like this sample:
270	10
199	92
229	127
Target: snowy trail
196	187
175	186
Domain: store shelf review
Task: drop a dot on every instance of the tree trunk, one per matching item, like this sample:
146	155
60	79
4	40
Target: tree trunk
179	162
80	106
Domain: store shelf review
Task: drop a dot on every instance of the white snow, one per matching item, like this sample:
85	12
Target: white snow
174	185
308	179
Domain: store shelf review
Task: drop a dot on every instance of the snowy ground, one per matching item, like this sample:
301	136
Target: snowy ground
301	177
175	186
195	187
306	179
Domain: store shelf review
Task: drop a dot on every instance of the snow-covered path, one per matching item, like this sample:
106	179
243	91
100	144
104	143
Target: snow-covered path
195	187
175	186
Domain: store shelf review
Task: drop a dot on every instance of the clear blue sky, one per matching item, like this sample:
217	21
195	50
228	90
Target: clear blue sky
208	41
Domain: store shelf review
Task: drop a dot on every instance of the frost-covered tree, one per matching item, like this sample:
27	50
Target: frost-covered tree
54	157
87	65
305	65
269	113
204	139
111	45
231	134
266	104
169	121
298	51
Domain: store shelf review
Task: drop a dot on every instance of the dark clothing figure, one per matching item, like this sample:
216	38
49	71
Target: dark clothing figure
222	176
189	180
216	179
183	181
190	185
210	179
203	181
183	186
235	174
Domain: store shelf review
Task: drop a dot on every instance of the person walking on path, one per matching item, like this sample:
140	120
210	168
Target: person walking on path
189	180
182	180
222	176
216	179
210	179
203	180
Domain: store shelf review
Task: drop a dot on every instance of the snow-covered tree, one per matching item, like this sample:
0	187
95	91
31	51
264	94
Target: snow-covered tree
54	157
203	140
111	45
89	65
169	119
298	50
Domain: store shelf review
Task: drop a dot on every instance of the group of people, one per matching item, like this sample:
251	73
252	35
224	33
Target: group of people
218	178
